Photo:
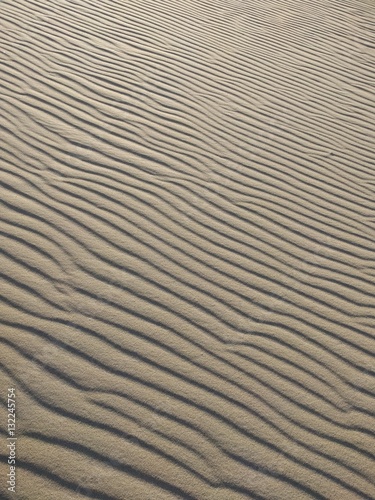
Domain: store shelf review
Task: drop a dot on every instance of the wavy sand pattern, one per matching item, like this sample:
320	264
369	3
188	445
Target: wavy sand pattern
187	229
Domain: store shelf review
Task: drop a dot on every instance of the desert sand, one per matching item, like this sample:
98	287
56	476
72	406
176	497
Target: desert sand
187	230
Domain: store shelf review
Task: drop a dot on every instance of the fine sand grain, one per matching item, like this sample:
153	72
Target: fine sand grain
187	230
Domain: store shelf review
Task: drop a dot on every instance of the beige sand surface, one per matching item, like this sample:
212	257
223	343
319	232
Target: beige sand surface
187	228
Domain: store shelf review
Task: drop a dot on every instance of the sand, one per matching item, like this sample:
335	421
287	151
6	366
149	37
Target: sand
187	249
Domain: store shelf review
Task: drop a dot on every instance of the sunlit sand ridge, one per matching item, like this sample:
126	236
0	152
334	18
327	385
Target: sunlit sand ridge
187	262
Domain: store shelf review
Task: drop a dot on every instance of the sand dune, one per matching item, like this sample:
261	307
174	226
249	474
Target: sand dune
187	248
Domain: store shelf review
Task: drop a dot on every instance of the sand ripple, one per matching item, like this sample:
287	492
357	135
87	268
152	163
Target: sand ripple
187	230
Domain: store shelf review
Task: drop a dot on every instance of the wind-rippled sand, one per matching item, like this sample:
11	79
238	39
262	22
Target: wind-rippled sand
187	229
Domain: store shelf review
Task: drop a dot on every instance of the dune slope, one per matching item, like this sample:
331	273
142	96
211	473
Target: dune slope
187	248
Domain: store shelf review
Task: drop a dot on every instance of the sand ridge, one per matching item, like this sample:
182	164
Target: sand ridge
187	248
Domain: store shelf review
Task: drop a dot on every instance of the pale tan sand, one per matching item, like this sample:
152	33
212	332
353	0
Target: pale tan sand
188	261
